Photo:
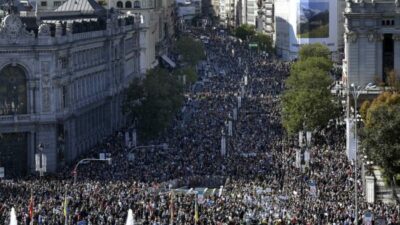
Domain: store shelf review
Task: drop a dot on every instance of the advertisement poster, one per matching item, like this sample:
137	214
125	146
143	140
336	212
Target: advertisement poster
313	21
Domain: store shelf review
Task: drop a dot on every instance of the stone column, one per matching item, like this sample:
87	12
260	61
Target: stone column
379	55
396	42
370	189
352	57
31	96
31	151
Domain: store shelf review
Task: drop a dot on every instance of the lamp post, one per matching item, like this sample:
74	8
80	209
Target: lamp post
75	171
355	92
40	149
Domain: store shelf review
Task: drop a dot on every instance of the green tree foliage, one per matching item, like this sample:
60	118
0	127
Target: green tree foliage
308	103
380	135
189	72
191	50
153	102
245	31
263	41
314	50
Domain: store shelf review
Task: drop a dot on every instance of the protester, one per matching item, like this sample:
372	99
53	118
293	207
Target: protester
237	99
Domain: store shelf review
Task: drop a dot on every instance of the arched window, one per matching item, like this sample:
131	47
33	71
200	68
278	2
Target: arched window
128	4
13	92
120	4
136	4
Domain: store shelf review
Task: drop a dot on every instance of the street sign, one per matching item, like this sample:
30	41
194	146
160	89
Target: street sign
253	45
2	172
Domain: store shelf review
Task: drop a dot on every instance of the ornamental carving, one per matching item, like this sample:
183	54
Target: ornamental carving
396	37
374	36
351	36
44	29
12	29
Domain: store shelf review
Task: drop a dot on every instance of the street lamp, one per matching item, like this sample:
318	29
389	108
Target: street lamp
75	171
355	92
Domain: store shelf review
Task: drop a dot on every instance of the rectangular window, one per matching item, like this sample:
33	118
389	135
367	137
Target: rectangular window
57	3
43	4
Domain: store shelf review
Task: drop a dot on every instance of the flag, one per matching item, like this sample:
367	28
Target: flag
65	207
196	210
31	204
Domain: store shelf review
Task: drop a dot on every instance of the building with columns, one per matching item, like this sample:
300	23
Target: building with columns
372	41
62	82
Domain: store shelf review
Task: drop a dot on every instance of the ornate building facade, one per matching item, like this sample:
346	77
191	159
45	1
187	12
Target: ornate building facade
61	84
372	41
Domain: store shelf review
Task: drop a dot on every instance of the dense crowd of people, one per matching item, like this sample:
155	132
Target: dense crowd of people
228	138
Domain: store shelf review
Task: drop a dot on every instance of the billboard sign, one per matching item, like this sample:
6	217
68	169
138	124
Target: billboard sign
313	19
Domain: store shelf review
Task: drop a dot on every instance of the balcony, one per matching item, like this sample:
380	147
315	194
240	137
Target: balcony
25	118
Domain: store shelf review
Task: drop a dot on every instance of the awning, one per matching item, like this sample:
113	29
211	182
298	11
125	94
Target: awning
168	60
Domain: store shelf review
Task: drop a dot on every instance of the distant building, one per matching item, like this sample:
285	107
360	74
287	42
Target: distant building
299	22
266	18
62	82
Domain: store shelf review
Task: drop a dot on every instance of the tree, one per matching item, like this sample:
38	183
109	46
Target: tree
385	99
189	72
308	103
310	73
380	135
245	31
314	50
263	41
191	50
153	102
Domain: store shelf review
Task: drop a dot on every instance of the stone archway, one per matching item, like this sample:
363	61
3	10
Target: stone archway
13	101
13	91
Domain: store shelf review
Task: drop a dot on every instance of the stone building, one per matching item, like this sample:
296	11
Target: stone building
372	41
61	83
158	20
266	18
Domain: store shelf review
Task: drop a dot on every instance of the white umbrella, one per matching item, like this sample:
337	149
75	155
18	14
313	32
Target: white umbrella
129	220
13	217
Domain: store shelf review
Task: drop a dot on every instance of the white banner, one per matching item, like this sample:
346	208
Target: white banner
223	146
239	102
235	114
44	163
298	158
307	157
308	137
300	138
37	162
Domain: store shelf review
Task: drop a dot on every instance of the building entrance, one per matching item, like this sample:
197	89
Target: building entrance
14	154
388	56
